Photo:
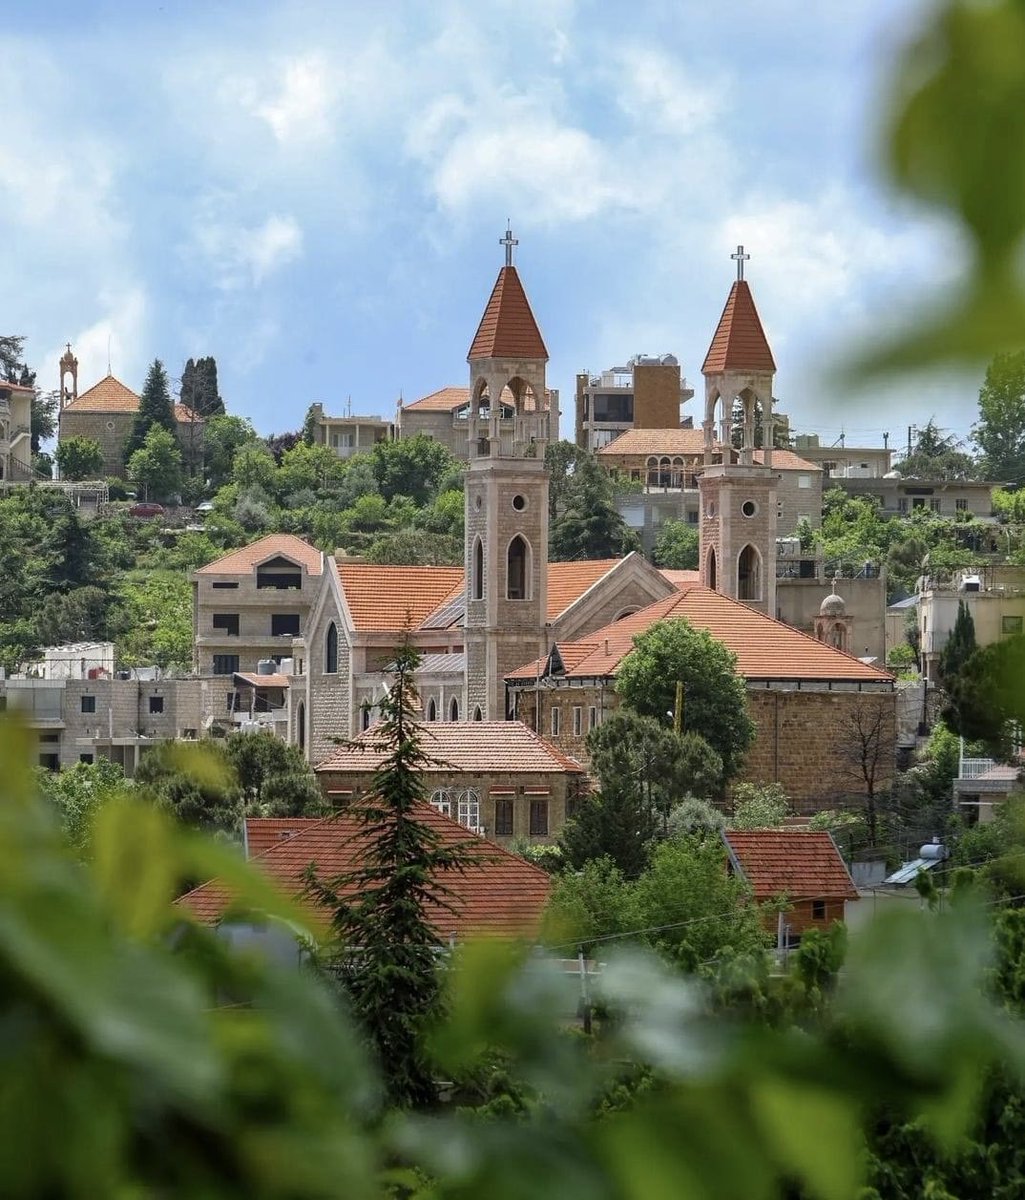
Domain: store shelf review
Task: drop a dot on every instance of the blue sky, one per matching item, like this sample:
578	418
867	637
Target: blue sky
314	192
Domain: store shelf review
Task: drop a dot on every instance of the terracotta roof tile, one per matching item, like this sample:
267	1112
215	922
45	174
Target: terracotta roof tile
690	442
500	894
799	863
680	578
443	400
246	559
253	679
739	342
765	648
471	746
787	460
111	395
382	598
508	329
567	581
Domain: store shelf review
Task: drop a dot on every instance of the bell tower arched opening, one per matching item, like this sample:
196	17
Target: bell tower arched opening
749	574
517	576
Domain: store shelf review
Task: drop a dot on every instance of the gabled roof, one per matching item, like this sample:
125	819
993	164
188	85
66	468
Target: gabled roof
245	560
568	581
680	578
474	747
799	863
765	648
508	329
390	598
500	893
739	342
111	395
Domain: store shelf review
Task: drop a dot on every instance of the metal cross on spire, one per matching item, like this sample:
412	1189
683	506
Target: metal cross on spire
508	242
740	258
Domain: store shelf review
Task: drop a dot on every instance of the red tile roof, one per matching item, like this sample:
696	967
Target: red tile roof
567	581
474	747
739	342
500	893
689	443
384	598
255	680
16	387
765	648
799	863
443	400
679	578
246	559
111	395
508	329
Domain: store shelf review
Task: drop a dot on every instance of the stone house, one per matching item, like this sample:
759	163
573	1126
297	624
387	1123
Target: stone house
444	416
498	894
799	872
350	434
15	432
814	707
106	413
497	778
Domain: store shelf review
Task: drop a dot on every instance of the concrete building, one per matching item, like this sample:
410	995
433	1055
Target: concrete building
106	414
15	432
249	605
647	393
899	497
844	462
350	434
995	596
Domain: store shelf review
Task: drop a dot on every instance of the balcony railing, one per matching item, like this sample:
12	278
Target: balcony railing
972	768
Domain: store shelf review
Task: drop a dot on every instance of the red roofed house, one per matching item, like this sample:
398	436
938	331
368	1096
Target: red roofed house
498	778
800	866
500	894
443	415
806	698
106	413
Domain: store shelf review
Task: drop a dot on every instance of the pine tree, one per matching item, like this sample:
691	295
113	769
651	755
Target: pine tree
199	387
155	408
589	526
388	949
960	645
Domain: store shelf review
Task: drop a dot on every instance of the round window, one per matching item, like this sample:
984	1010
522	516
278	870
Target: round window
519	503
110	424
749	508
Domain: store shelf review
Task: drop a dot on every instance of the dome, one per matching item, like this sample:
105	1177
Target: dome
833	606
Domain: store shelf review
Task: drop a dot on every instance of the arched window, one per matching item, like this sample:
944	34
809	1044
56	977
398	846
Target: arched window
651	468
664	471
710	572
453	710
477	572
300	725
432	710
477	714
517	578
331	650
839	636
749	574
366	716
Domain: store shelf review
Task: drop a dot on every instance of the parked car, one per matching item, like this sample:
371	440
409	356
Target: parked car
146	510
206	507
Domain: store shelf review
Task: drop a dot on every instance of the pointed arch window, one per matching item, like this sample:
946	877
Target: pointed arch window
300	722
749	574
710	570
453	710
517	576
477	570
331	650
477	714
432	710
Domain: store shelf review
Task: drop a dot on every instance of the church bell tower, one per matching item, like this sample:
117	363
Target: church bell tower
738	492
506	549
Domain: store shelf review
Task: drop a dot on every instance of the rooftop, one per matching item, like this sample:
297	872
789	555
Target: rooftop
508	329
799	863
765	648
111	395
691	442
286	545
739	342
500	893
474	747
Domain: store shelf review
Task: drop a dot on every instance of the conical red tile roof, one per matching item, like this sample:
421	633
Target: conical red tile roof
739	343
508	328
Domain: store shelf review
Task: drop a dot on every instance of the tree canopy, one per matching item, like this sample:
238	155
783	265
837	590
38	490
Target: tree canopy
999	432
199	387
588	524
936	455
79	458
155	408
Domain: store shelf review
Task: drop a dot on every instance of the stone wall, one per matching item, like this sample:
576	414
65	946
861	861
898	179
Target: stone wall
804	740
111	430
798	601
657	396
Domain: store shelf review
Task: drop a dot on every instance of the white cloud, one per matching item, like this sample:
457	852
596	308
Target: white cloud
301	107
653	89
122	326
242	255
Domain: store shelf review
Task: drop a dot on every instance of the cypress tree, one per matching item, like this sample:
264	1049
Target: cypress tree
960	645
155	408
388	950
199	387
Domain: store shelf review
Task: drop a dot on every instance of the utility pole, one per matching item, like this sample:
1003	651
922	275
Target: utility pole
678	710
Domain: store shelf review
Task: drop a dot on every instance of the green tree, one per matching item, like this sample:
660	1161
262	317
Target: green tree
79	458
43	416
152	619
315	468
715	697
79	615
415	547
223	436
388	947
561	461
759	806
612	825
936	456
960	646
986	701
588	904
195	783
199	389
588	525
77	793
11	350
274	778
157	466
253	466
999	432
155	409
412	467
676	546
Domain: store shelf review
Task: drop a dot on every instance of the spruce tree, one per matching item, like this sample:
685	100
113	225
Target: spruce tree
155	408
388	949
589	525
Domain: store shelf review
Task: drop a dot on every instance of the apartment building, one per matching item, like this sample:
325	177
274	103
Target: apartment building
350	434
647	393
15	432
995	596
